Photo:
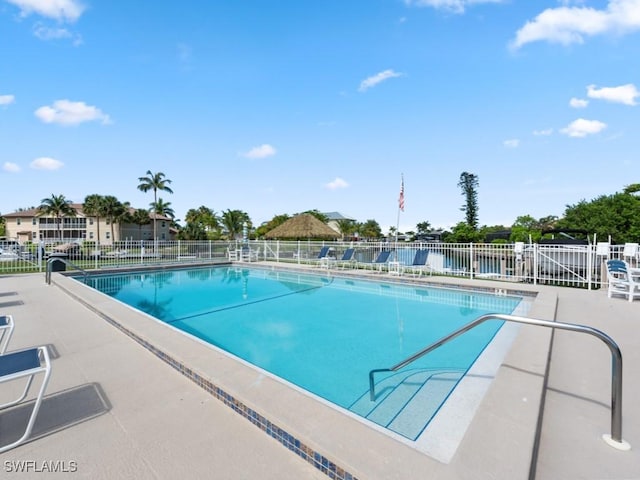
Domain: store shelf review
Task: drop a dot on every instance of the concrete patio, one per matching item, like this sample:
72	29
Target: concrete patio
113	409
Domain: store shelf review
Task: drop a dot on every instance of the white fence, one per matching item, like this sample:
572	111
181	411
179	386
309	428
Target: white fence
580	266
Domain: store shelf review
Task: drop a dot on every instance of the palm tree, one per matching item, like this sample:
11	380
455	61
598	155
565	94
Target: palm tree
140	217
58	207
347	227
155	182
232	221
92	207
112	209
162	208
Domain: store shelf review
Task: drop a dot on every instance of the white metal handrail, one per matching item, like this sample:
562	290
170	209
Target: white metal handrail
614	439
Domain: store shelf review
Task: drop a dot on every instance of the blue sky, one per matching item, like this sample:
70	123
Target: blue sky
281	107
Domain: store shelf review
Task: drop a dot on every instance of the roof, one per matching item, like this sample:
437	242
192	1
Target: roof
33	212
303	226
335	216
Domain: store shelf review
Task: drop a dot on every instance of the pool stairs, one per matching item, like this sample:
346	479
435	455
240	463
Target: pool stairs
406	401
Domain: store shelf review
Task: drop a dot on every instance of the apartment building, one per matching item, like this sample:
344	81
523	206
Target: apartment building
28	226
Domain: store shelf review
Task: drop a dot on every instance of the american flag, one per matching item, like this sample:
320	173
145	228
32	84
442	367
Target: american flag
401	197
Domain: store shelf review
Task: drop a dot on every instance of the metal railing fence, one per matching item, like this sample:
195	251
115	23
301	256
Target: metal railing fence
582	266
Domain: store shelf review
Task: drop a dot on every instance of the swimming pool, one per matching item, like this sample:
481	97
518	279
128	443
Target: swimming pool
324	334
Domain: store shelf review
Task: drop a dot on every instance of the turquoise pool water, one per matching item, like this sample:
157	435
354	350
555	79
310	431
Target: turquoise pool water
324	334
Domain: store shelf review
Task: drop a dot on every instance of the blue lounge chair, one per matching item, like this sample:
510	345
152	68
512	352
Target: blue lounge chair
323	256
623	280
419	264
381	260
6	330
19	365
347	258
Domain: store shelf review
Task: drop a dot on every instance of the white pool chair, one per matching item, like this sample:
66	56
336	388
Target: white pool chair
6	330
20	365
623	280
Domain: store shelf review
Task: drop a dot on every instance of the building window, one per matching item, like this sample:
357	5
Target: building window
33	221
164	224
91	221
18	221
90	235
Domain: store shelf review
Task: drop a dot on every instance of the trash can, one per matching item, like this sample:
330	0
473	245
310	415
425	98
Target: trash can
56	265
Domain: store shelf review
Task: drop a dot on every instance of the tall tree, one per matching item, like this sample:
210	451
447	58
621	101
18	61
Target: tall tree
203	216
112	209
469	185
58	207
154	181
423	228
93	206
347	227
140	217
369	229
232	220
162	208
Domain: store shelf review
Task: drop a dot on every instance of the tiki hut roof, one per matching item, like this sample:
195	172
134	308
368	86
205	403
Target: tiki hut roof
302	226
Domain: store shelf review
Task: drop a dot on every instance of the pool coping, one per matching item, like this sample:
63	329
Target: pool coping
340	446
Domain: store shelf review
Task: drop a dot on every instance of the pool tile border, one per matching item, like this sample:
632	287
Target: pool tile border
289	441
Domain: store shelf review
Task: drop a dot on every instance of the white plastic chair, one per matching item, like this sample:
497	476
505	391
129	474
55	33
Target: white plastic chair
623	280
25	364
6	330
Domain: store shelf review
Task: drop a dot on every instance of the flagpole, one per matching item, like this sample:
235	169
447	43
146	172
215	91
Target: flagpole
400	204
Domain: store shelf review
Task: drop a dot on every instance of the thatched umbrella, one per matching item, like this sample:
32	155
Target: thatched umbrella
304	226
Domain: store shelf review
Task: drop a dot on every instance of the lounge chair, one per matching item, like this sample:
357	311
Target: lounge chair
6	330
25	364
381	260
623	280
419	264
347	258
322	257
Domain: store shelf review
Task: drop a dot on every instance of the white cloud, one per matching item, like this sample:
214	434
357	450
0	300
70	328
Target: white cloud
337	183
46	33
581	128
46	163
7	99
61	10
545	132
454	6
66	112
263	151
578	103
10	167
372	81
625	94
567	25
512	143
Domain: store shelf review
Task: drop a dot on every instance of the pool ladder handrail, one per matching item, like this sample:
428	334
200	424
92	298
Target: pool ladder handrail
47	277
614	439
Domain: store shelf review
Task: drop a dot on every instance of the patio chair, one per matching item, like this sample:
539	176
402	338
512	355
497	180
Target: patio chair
20	365
322	257
348	258
623	280
419	264
381	260
6	330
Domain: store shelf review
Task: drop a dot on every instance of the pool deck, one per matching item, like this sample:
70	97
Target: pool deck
114	409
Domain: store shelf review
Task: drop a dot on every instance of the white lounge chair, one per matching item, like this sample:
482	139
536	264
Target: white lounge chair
623	280
18	366
6	330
